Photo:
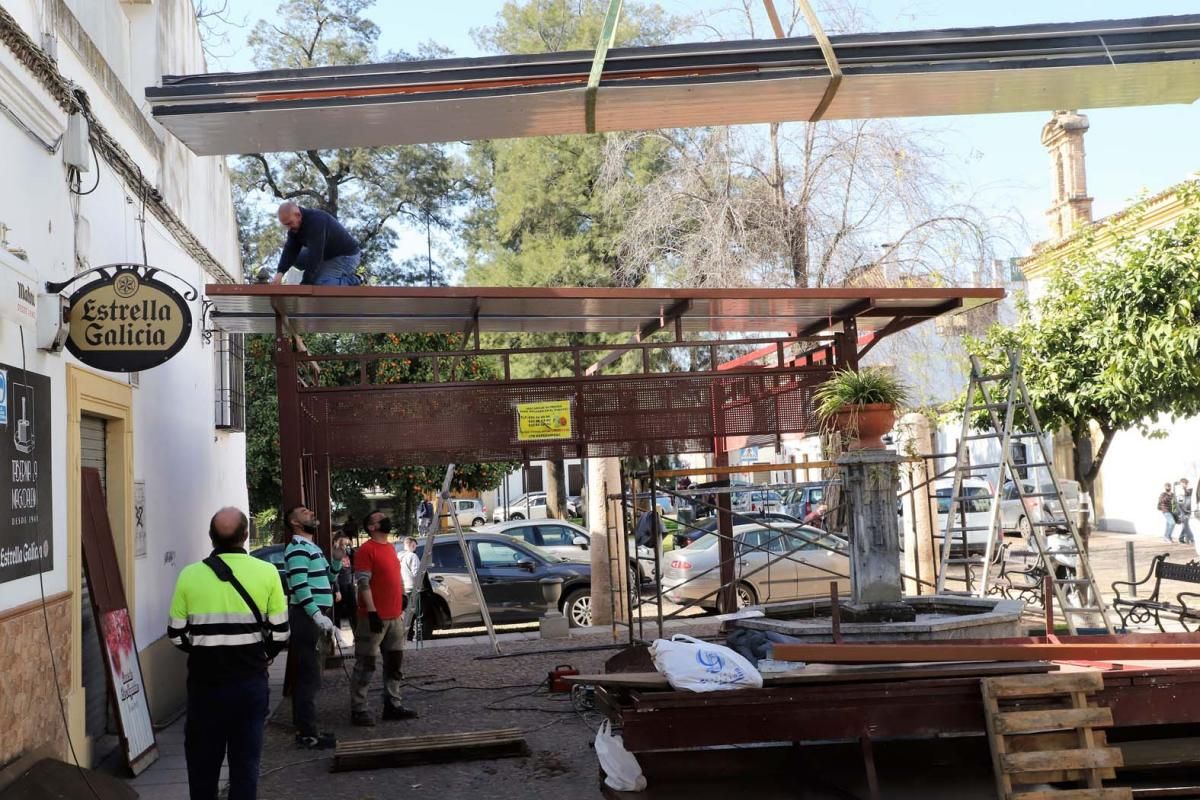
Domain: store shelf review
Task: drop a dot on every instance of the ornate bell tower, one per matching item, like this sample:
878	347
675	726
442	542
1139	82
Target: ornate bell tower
1063	138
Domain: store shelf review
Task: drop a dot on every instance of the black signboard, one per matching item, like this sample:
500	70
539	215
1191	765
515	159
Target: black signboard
26	528
129	320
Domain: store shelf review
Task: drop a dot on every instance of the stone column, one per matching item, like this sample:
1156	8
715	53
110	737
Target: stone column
913	435
871	479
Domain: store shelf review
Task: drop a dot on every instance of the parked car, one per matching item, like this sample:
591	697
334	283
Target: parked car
565	539
801	500
470	512
757	500
574	507
685	536
814	558
977	511
531	506
509	571
666	505
1014	517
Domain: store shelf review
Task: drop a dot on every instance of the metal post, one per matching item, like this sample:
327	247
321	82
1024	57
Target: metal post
1130	568
656	529
290	467
728	593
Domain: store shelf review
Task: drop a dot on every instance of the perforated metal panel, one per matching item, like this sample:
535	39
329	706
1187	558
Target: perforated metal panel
632	415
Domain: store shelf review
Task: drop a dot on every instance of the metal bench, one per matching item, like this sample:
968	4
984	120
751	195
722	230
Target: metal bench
1139	611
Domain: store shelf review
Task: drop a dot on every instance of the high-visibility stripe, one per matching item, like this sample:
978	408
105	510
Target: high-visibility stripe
220	618
225	640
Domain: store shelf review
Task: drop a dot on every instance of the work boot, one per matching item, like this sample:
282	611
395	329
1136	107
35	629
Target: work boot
391	712
320	741
362	719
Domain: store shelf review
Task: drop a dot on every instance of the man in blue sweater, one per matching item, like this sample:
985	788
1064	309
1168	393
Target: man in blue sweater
318	245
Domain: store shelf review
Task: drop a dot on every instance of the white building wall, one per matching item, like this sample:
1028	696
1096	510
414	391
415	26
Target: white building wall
190	468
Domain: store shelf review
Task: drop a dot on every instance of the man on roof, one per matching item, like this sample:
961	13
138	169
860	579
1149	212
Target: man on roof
318	245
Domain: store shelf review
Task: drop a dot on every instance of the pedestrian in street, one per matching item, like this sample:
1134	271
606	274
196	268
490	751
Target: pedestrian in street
318	245
410	564
1166	507
311	598
1183	508
229	615
346	604
424	516
379	631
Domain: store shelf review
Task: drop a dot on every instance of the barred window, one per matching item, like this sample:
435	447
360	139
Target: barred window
230	381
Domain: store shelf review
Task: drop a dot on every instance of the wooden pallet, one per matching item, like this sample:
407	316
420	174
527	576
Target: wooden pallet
1042	729
409	750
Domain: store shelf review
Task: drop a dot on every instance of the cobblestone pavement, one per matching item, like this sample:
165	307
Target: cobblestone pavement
454	690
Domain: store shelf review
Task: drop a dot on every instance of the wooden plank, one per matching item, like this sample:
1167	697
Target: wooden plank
866	653
383	753
1060	759
1012	722
996	742
834	673
1058	740
1183	752
1112	793
417	742
1039	685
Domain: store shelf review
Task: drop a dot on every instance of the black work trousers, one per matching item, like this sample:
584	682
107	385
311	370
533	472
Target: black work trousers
305	642
225	720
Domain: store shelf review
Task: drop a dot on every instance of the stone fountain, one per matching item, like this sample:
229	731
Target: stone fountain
877	609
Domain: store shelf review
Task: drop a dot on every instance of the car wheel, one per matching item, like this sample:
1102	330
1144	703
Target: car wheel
478	521
635	588
744	596
1025	529
517	516
577	608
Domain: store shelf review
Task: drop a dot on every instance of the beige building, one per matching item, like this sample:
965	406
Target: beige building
1136	466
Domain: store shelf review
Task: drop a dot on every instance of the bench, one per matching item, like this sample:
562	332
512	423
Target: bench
1138	610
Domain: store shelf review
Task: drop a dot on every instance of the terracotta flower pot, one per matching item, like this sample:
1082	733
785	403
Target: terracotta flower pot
864	426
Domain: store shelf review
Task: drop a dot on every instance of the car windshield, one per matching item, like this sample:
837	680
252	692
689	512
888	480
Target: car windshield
980	502
705	542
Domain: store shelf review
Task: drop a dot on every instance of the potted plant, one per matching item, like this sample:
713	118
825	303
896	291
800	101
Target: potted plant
861	404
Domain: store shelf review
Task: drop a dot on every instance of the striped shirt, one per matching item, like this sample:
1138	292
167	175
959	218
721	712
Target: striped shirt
212	624
309	576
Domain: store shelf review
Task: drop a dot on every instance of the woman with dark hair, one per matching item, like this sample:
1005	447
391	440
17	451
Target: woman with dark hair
343	544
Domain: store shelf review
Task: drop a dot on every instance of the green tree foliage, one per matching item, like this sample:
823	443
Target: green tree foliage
368	189
538	213
1114	344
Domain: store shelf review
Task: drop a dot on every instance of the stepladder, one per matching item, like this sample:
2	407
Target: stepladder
972	547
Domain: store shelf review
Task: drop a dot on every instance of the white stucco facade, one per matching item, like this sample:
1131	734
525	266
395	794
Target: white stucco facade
110	50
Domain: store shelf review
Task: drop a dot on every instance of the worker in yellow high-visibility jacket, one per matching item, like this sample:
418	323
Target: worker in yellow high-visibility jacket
229	614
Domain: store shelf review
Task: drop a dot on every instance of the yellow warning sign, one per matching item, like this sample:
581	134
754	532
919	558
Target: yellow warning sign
550	419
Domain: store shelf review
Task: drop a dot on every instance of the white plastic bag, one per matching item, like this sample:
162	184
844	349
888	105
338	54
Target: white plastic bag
621	769
702	667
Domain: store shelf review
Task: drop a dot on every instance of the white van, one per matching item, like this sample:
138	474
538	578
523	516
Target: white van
976	511
1038	507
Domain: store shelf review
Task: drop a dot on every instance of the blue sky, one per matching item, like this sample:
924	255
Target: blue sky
1129	150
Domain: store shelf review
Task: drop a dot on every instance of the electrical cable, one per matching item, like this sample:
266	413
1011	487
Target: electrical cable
62	705
78	178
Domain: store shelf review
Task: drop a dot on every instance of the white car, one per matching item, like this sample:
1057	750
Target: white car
532	506
564	539
976	510
470	512
1039	508
758	500
786	562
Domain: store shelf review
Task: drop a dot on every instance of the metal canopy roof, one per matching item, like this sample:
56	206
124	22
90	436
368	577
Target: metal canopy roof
962	71
379	309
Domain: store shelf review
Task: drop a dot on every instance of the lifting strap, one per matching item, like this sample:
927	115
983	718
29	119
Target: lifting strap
608	35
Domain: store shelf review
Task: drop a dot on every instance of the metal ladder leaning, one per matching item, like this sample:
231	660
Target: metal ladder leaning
985	393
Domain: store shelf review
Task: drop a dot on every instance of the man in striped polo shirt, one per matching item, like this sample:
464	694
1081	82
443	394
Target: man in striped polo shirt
310	597
229	615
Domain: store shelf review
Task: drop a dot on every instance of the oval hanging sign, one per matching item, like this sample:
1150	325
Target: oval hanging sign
127	322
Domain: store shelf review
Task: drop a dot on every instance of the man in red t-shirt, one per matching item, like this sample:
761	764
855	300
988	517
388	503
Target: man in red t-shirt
379	627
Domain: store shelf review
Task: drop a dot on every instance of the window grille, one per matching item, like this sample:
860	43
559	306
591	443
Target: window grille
230	381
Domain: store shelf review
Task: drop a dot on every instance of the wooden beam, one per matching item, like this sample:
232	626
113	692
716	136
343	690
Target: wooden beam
950	651
849	312
754	468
